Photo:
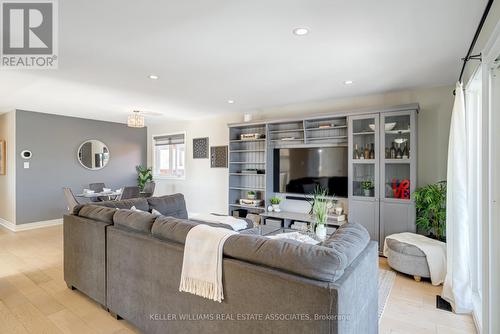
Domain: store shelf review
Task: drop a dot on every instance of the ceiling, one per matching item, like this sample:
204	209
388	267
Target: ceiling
207	52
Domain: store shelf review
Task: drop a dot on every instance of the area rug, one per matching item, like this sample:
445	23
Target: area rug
385	282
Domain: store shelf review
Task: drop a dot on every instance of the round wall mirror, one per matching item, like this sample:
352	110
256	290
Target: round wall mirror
93	154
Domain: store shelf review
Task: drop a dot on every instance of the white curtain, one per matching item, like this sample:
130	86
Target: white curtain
457	286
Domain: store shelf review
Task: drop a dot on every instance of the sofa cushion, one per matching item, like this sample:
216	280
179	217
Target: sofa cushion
135	220
97	212
170	205
176	230
311	261
404	248
139	203
349	239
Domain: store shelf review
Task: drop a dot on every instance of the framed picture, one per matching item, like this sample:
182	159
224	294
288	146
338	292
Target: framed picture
2	157
218	156
200	148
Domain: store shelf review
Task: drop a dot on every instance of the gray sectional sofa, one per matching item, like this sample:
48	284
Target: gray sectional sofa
130	262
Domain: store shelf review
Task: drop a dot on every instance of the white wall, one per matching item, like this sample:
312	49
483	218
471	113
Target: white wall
205	188
8	181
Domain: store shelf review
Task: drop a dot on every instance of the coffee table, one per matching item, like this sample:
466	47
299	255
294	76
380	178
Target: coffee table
268	230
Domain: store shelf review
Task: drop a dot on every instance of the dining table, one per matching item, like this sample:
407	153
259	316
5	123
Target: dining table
112	195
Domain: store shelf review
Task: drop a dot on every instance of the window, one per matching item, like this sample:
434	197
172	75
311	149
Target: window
476	178
169	156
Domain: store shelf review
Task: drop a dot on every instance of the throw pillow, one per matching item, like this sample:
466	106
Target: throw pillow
156	212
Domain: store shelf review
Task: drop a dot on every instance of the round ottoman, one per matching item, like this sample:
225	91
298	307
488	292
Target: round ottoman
407	259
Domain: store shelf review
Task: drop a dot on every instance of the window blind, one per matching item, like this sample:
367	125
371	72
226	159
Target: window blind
169	140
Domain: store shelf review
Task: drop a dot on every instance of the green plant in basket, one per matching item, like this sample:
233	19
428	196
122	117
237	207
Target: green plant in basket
275	200
367	185
144	175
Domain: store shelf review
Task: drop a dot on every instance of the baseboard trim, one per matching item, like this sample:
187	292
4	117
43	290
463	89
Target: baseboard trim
479	328
29	226
8	225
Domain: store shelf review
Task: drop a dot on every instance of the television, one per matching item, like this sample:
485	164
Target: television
301	170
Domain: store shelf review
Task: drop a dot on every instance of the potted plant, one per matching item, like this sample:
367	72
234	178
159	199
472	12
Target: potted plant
367	186
275	203
144	175
251	194
320	207
430	202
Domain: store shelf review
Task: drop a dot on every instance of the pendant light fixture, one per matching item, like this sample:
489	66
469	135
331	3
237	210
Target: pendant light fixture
136	120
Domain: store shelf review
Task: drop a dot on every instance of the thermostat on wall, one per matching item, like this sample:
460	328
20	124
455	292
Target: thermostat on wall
26	154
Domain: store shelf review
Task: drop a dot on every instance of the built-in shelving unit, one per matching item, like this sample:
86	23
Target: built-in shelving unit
247	166
326	130
286	133
373	134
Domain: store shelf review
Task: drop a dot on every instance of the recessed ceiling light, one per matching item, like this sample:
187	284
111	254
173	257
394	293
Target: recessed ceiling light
348	82
153	77
301	31
230	101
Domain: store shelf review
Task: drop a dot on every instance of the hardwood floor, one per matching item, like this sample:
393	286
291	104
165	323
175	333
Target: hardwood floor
34	297
411	308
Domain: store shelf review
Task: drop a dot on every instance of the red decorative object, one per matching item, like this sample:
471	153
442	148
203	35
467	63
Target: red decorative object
401	189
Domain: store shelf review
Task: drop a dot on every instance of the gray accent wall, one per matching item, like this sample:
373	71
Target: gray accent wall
54	141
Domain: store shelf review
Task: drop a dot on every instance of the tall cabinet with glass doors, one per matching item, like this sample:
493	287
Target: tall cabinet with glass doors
382	171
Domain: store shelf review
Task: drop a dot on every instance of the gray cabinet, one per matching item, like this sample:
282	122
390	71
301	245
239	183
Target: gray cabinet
366	212
396	218
364	172
390	168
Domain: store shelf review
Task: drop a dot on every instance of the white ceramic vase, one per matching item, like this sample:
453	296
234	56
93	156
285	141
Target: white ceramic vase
276	208
321	231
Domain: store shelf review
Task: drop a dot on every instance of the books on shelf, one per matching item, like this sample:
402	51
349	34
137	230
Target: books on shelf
251	202
251	136
300	226
336	218
252	171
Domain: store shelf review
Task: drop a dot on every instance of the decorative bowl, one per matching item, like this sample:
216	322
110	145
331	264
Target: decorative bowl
388	126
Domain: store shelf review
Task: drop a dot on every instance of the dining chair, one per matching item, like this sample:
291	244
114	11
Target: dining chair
70	199
98	188
129	192
149	189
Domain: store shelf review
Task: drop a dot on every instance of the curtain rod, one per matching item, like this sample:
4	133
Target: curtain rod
473	44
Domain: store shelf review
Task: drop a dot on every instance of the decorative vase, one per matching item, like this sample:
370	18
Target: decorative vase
321	231
276	208
368	192
270	208
251	196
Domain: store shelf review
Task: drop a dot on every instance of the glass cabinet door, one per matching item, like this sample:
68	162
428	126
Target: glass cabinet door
398	155
363	156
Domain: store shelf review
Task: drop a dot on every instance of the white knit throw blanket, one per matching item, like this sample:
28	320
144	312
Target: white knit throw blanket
434	250
202	263
236	224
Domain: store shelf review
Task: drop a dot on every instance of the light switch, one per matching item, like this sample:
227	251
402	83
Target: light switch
26	165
